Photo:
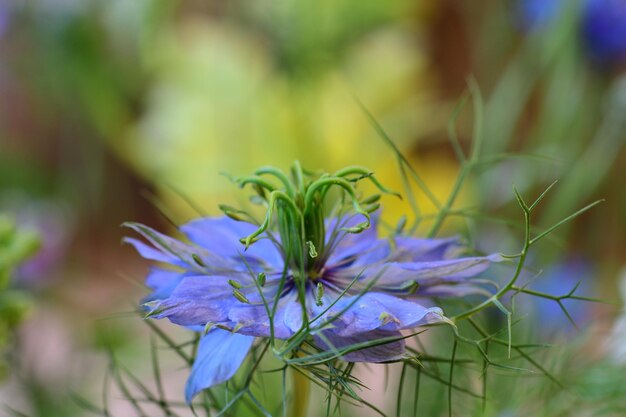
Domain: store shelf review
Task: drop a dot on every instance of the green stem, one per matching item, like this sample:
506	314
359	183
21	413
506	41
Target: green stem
301	390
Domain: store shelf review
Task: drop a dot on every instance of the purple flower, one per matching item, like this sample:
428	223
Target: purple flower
362	288
604	31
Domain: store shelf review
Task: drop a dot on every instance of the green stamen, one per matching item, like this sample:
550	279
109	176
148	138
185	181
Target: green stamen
234	284
319	293
198	260
261	278
312	251
239	296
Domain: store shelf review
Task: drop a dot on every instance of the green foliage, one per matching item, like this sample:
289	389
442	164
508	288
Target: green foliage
15	247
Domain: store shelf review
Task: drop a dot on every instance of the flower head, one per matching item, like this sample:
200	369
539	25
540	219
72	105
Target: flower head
300	275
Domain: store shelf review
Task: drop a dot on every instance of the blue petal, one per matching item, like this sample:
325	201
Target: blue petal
377	311
253	319
450	269
394	275
220	235
293	315
450	289
152	254
387	352
163	282
170	250
198	300
220	354
361	247
408	249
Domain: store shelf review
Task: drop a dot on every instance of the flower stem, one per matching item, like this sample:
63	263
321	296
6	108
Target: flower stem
301	385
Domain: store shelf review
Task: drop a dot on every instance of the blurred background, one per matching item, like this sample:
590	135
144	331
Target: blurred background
124	110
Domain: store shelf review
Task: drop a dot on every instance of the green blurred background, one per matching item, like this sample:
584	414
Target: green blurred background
126	109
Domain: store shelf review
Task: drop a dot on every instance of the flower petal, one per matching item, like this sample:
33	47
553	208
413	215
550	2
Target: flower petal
408	249
220	354
390	349
398	275
253	319
449	269
152	254
361	247
293	315
163	282
179	253
198	300
377	311
451	290
221	235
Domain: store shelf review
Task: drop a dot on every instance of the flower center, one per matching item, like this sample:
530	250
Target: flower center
295	206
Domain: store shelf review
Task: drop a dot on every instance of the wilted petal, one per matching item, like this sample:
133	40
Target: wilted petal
221	236
220	354
384	346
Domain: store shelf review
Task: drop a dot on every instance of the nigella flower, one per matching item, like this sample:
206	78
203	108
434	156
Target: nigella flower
332	279
604	31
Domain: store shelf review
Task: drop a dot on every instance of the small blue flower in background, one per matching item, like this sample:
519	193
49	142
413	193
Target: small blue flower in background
604	31
350	287
602	25
571	272
5	17
532	15
51	221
